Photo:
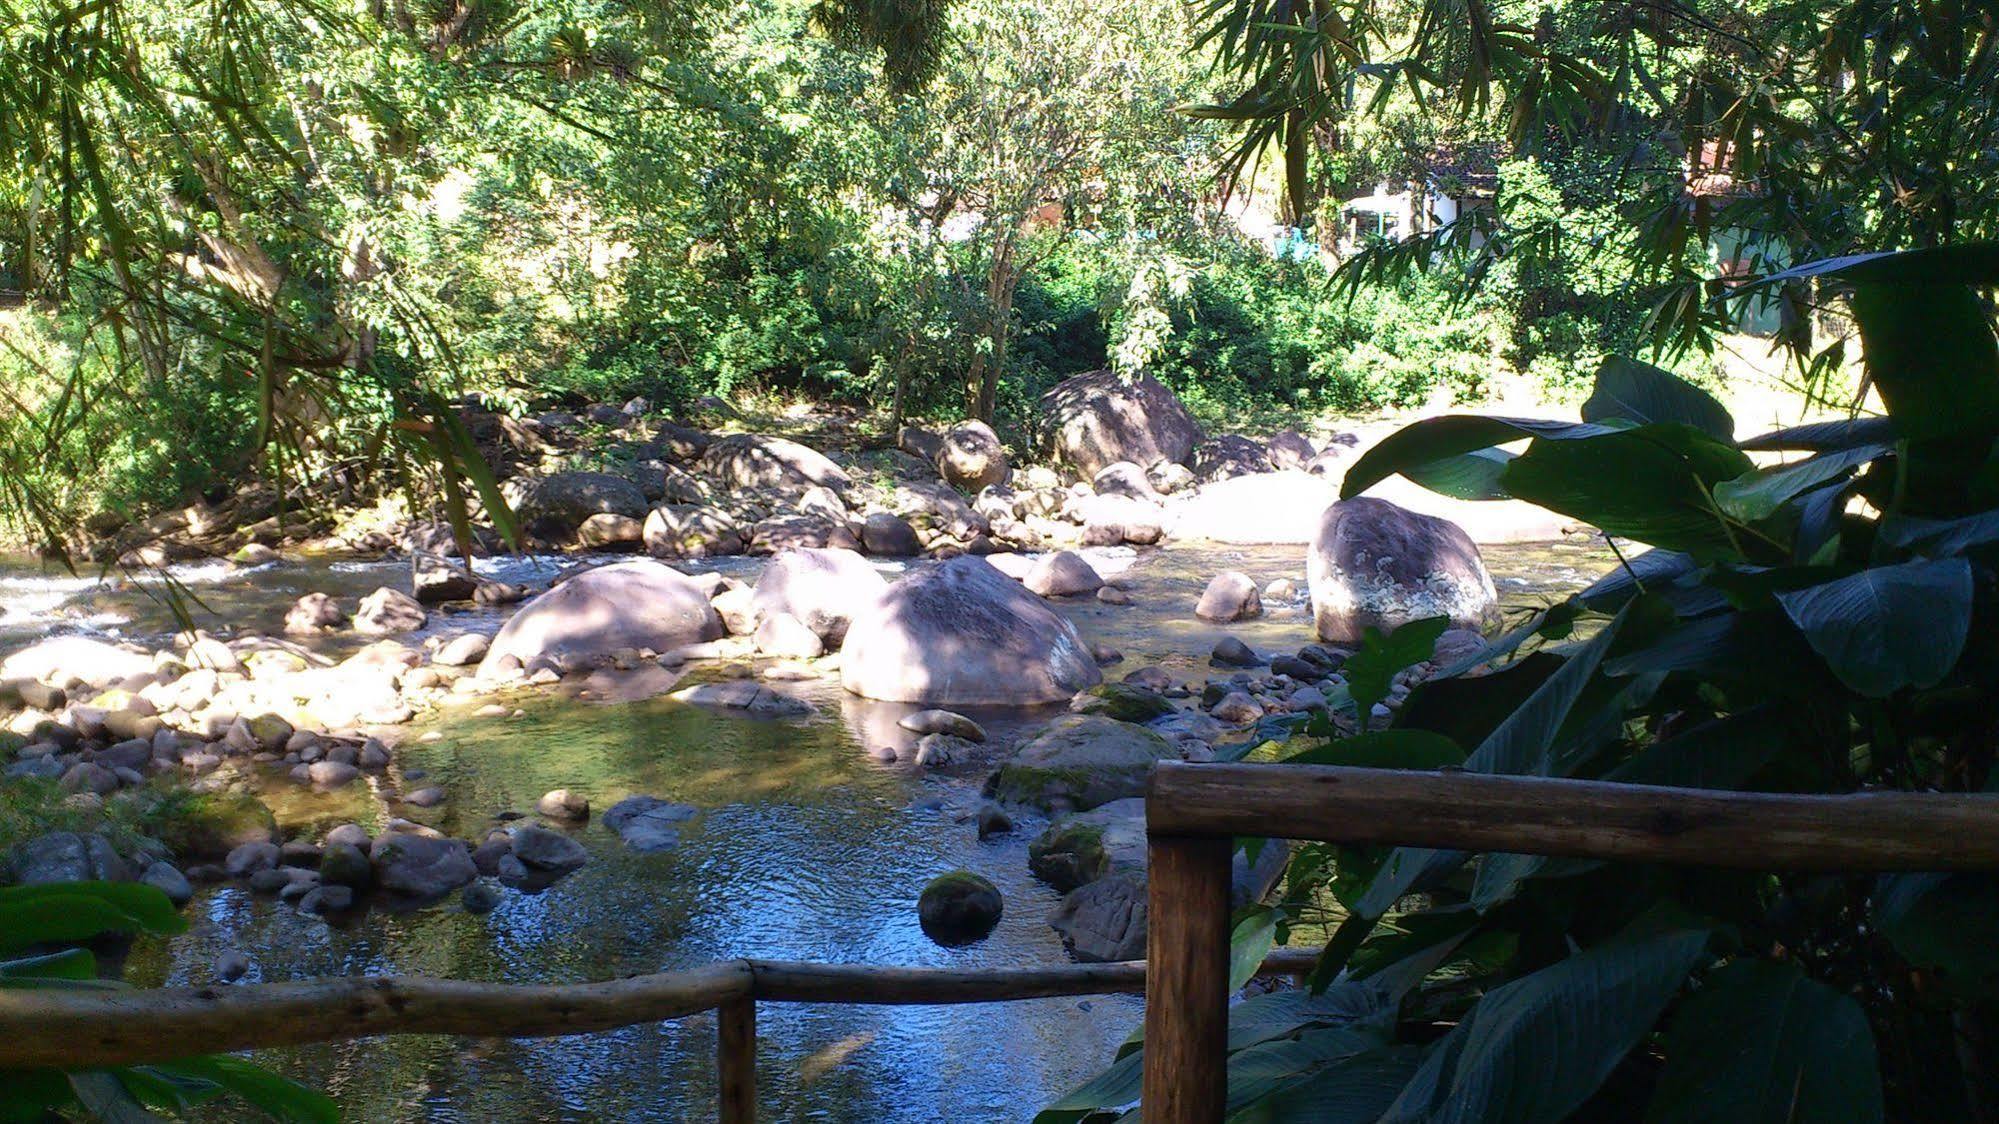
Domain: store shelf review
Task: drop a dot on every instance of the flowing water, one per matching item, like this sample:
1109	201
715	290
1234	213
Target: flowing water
805	849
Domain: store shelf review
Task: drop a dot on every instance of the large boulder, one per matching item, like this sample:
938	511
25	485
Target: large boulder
964	634
1376	565
1081	761
61	659
970	456
68	856
389	610
1079	849
1229	456
636	604
686	530
751	461
1291	449
314	613
826	589
1111	520
420	867
554	506
1062	574
1099	418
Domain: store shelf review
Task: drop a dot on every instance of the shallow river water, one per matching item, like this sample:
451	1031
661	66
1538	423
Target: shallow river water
805	850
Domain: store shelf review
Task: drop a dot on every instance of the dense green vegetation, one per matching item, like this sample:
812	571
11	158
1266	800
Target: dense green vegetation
256	235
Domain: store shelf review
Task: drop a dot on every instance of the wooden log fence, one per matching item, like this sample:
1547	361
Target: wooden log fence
1193	812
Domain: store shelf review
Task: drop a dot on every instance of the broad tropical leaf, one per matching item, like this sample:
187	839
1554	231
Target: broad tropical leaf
1439	439
1650	484
1888	627
1537	1048
1762	1044
1639	392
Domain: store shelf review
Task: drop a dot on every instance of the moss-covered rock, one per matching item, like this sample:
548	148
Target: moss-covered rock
1126	702
1082	848
208	825
958	908
1079	762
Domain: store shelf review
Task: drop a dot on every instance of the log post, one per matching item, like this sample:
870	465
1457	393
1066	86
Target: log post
736	1058
1186	985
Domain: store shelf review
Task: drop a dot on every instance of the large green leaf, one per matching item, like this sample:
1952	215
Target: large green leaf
1940	537
1945	924
275	1094
1888	627
1355	1090
1823	437
1467	476
1930	351
1265	1068
1535	1049
1638	573
1518	745
1436	439
1649	484
145	906
1639	392
1371	670
1761	1044
1758	494
1721	753
1968	263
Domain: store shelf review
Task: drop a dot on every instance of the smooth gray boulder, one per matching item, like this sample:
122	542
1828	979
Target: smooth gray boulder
1231	596
68	856
555	506
1290	449
963	634
1227	457
1079	762
420	867
1101	417
691	530
825	588
890	536
647	823
970	456
639	604
1376	565
389	610
752	461
1062	573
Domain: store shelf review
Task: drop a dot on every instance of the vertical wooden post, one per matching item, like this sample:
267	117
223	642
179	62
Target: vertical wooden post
1187	980
736	1058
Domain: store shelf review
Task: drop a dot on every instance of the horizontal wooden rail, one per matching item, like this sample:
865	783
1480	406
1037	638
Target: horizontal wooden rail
1870	831
95	1028
1193	811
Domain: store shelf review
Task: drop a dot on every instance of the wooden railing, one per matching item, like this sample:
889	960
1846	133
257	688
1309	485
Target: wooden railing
102	1028
1193	812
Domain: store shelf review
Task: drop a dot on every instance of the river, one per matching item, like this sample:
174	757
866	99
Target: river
805	850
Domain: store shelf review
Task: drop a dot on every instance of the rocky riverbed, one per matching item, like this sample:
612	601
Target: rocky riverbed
560	766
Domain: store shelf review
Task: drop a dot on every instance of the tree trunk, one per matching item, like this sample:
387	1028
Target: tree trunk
982	388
